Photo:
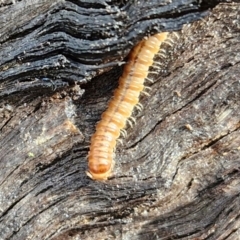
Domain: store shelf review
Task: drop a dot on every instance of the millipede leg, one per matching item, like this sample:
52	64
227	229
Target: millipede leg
139	106
176	35
169	42
145	93
149	79
163	50
154	72
120	141
133	120
157	67
163	55
123	133
129	123
160	64
147	88
121	63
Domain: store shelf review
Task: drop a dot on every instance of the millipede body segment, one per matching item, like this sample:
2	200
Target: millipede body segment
126	97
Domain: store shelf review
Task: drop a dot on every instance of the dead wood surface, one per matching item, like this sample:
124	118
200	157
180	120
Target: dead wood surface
177	173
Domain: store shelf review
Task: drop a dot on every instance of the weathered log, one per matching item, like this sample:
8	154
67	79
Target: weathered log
63	42
176	174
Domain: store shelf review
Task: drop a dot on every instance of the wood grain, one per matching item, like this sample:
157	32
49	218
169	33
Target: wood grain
177	172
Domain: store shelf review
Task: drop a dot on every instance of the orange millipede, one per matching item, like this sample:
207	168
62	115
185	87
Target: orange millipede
126	97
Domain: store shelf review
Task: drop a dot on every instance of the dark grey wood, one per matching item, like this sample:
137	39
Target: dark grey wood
177	172
51	44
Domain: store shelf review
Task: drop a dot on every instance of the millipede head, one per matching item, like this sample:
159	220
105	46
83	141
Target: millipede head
93	176
99	169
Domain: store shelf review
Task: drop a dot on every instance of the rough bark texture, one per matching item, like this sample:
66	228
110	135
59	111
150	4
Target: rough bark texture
176	174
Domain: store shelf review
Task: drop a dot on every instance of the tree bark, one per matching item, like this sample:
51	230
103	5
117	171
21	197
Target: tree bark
177	172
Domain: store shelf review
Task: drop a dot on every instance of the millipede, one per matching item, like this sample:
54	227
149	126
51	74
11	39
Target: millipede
120	107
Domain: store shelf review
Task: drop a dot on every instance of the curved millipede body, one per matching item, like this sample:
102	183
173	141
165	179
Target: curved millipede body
126	97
